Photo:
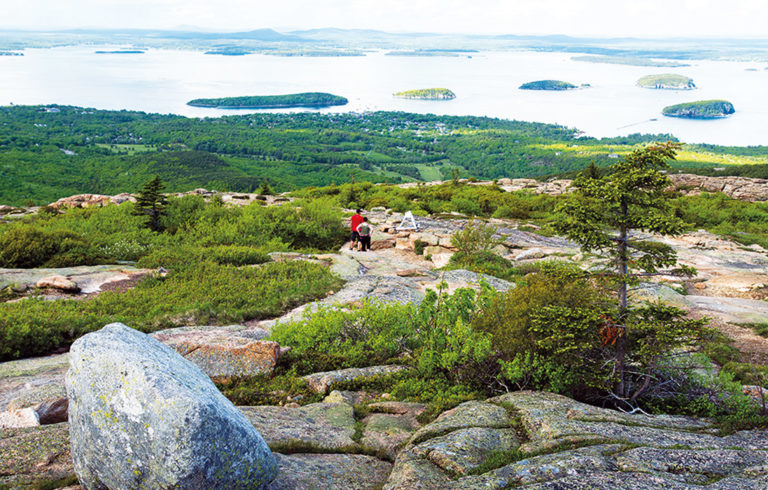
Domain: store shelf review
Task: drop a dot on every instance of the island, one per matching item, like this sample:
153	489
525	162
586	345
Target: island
451	53
667	81
11	53
122	51
628	60
230	51
307	99
547	85
426	94
316	53
702	109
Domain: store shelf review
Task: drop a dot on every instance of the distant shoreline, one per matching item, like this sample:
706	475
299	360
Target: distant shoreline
134	51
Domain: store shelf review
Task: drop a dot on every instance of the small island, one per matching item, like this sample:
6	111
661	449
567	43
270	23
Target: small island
11	53
307	99
426	94
702	109
547	85
230	51
666	81
121	51
628	60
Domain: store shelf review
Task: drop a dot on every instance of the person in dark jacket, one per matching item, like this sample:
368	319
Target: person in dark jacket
364	233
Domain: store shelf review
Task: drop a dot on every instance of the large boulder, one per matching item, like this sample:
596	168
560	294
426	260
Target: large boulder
141	416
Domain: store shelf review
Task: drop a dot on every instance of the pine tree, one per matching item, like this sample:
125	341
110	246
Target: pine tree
591	171
602	215
151	202
266	189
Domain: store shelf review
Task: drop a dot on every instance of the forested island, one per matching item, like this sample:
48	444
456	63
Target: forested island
116	151
306	99
230	51
628	60
121	51
666	81
702	109
426	94
547	85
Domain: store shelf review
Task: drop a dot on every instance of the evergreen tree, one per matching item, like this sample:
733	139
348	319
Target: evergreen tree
591	171
151	202
602	215
266	189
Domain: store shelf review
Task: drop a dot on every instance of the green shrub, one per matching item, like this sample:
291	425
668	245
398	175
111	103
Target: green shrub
330	338
485	263
418	247
28	247
189	256
546	332
203	294
475	237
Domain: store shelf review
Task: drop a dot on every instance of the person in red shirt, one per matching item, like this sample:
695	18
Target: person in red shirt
356	221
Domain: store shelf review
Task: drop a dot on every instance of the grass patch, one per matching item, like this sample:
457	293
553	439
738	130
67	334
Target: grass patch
50	484
760	328
277	389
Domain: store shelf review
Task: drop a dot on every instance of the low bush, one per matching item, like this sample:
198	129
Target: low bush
203	294
28	247
476	237
331	338
189	256
485	263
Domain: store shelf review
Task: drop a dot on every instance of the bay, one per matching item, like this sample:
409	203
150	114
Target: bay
486	84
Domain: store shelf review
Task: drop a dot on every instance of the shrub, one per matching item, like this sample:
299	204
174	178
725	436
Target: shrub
475	237
203	294
28	247
418	247
545	332
188	256
330	338
484	263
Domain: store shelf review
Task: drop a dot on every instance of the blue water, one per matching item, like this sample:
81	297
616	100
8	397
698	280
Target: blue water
485	84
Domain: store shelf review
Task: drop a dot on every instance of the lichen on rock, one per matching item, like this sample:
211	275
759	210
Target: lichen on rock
141	416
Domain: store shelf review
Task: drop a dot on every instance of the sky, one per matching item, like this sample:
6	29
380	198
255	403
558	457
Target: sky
594	18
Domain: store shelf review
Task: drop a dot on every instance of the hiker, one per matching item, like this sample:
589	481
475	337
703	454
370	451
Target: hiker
356	220
364	234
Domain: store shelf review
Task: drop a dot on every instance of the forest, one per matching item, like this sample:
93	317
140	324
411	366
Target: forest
49	152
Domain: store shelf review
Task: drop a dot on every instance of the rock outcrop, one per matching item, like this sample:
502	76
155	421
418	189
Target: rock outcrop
551	441
323	382
224	352
90	200
142	416
86	279
743	188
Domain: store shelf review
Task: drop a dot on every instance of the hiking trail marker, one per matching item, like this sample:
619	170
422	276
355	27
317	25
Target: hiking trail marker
408	223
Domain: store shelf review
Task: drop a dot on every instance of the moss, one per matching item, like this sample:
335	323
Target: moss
358	435
67	481
498	459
